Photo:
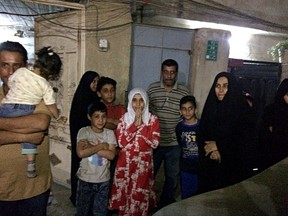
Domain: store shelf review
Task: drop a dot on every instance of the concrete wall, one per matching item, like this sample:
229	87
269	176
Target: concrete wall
259	46
113	22
75	37
203	71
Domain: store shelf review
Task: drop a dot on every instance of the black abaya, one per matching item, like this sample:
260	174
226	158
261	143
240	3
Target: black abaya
78	118
273	137
226	123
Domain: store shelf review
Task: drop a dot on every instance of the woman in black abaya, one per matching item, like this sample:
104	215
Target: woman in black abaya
224	130
84	95
273	137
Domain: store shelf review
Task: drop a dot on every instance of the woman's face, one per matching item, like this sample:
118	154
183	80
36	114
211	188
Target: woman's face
221	88
138	102
93	84
286	98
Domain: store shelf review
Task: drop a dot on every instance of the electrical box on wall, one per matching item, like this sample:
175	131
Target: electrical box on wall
103	44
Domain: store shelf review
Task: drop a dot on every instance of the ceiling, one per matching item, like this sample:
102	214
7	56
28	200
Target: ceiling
17	18
20	14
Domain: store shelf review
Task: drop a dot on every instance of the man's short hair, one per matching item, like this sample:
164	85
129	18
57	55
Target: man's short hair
12	46
105	80
170	63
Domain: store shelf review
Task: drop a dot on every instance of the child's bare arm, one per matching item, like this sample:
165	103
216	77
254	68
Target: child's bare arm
53	109
109	152
85	149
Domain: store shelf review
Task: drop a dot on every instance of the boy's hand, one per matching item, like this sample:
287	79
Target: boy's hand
105	145
93	142
84	144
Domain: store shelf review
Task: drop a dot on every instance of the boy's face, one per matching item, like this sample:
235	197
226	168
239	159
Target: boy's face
188	111
98	121
107	93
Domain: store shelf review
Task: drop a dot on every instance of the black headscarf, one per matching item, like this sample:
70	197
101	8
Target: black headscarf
83	95
220	119
78	118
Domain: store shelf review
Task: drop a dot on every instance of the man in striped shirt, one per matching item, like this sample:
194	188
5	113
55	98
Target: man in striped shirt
164	97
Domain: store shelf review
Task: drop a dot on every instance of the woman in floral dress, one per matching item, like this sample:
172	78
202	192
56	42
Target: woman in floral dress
133	191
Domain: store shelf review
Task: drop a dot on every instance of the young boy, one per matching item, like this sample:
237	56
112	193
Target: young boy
106	90
96	146
187	137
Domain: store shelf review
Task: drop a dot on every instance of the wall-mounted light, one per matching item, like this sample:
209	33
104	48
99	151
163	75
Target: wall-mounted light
19	33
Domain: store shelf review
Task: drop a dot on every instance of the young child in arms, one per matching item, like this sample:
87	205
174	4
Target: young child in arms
26	89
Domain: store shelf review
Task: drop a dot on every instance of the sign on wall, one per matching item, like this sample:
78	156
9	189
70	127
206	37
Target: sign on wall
212	49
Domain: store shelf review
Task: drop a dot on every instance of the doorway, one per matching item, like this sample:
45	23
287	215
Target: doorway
151	45
261	80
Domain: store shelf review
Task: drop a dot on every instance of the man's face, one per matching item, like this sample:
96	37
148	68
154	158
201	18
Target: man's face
9	63
169	75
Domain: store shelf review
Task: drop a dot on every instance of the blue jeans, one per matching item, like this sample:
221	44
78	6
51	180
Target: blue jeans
170	155
35	206
189	184
92	198
16	110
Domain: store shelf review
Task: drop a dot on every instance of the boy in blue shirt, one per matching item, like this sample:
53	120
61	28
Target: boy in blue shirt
186	133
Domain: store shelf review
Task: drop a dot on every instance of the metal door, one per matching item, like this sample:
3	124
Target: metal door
151	46
260	79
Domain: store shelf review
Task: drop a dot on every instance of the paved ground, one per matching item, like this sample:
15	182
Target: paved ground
60	205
